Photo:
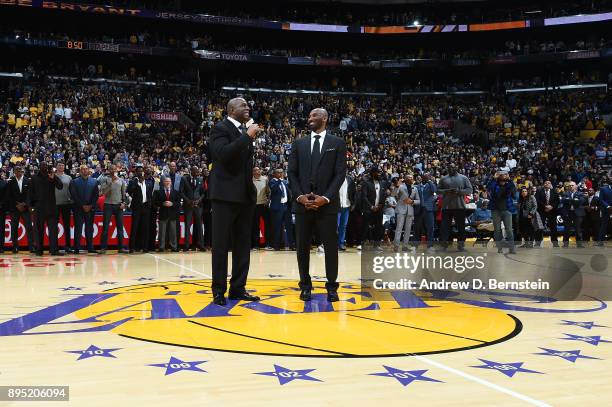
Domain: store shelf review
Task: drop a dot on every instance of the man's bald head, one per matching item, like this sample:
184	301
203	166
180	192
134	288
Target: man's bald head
238	109
317	120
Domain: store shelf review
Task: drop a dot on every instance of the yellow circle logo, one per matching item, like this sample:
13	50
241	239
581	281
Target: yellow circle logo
182	313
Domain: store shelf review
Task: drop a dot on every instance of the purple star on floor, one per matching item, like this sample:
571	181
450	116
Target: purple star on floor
509	369
92	351
107	282
585	325
405	377
570	355
71	288
593	340
144	279
285	375
176	365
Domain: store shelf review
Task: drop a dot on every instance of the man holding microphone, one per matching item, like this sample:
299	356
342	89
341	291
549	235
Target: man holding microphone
233	196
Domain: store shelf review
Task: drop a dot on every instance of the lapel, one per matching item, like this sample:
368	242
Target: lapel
306	149
326	145
236	132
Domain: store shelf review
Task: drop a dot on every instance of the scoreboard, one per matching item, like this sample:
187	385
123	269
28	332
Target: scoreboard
88	46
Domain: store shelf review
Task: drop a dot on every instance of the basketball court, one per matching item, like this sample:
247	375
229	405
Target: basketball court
142	330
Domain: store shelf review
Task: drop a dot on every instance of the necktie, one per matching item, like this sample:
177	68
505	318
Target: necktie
167	194
315	157
547	197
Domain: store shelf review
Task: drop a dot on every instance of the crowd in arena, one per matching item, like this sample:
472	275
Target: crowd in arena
100	136
402	14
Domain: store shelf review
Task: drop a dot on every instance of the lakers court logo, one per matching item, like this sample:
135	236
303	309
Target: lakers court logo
181	313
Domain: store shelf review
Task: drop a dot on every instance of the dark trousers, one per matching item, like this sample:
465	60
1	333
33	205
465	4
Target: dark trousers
354	228
261	212
111	210
83	218
424	224
526	231
448	215
571	221
151	230
41	217
281	218
603	230
27	221
63	217
207	218
3	223
232	220
139	235
550	219
194	214
372	227
592	223
306	224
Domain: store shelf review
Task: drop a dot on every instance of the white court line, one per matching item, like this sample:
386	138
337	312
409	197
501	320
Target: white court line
457	372
476	379
181	266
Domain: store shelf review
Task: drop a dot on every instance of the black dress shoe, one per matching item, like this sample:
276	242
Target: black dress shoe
56	254
15	250
219	299
306	295
332	296
243	296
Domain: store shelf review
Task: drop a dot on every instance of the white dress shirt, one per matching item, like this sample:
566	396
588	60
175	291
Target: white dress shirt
234	122
377	188
284	191
20	183
143	189
343	193
313	139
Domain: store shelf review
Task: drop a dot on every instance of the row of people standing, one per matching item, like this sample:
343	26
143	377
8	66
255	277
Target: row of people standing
52	197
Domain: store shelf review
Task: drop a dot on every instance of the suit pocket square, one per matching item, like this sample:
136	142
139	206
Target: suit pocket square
330	149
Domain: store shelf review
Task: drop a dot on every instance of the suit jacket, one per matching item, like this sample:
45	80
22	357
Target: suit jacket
189	193
605	197
402	193
42	193
231	175
3	193
136	194
84	192
428	196
13	195
165	213
176	180
276	194
575	204
593	208
541	198
329	175
368	195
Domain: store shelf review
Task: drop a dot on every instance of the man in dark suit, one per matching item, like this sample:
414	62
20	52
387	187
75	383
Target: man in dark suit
192	192
168	200
280	210
3	207
17	206
84	193
317	167
592	219
372	203
548	204
142	201
152	219
42	202
176	180
605	206
573	214
232	194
